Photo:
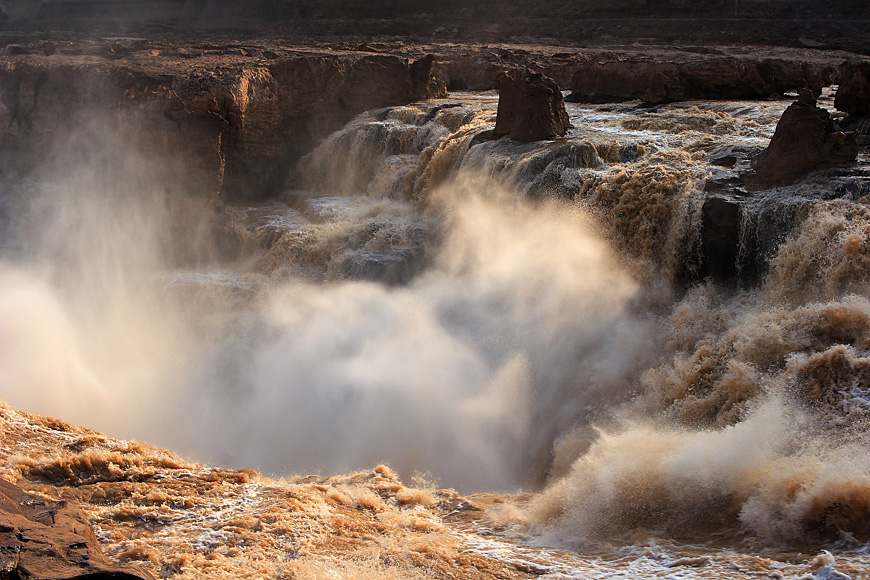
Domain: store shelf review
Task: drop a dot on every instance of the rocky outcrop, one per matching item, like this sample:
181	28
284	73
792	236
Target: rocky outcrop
50	540
806	138
853	94
655	77
205	122
423	82
530	107
285	108
650	74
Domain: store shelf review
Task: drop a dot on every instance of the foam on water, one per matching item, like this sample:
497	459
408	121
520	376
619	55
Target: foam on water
501	315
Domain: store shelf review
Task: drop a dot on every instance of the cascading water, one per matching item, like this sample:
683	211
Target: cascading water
498	316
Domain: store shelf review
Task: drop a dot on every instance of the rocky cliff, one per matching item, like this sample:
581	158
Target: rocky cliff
211	121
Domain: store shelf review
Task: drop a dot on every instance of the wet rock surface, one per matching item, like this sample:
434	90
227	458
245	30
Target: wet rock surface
859	125
50	540
530	107
806	138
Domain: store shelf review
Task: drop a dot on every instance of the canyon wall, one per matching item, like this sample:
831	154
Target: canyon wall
234	120
231	124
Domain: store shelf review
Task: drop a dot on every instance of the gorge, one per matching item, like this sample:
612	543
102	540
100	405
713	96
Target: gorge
612	353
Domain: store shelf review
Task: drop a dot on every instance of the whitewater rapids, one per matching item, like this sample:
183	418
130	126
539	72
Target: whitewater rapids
499	318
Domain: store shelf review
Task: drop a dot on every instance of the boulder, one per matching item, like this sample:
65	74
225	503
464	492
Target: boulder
530	107
51	540
806	138
853	94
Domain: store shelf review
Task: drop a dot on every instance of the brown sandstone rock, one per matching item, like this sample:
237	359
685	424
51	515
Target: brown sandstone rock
231	121
423	82
806	138
51	540
657	77
853	94
530	107
5	119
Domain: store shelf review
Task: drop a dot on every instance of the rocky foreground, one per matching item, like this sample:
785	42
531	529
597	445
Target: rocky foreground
157	515
86	506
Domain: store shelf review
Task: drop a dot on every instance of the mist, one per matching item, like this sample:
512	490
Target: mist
520	328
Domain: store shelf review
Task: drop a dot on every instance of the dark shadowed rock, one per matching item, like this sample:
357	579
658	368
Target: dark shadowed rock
5	119
806	138
853	94
720	239
860	125
51	540
424	85
530	107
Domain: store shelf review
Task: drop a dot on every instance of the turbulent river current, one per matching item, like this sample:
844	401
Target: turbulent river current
533	325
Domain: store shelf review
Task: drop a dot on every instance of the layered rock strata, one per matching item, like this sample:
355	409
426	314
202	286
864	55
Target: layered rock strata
207	123
233	119
655	77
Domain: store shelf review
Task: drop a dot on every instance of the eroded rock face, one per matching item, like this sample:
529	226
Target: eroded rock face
231	121
51	540
657	78
227	124
530	107
806	138
853	94
423	81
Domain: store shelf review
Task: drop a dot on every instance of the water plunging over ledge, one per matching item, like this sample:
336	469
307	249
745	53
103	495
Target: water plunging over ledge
503	316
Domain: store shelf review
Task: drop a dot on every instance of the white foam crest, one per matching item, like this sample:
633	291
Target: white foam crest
774	474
